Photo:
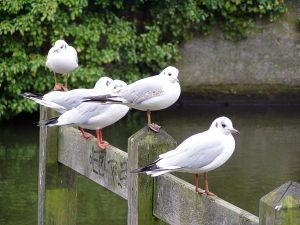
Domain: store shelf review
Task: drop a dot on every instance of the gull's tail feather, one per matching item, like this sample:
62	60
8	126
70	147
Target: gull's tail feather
157	173
149	168
39	99
103	98
154	170
48	122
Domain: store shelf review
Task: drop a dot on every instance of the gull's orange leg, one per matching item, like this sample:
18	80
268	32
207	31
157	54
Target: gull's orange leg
85	134
58	86
196	183
152	126
206	191
101	143
66	81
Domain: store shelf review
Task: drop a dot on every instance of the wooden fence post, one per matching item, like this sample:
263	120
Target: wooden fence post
56	192
281	206
48	140
144	147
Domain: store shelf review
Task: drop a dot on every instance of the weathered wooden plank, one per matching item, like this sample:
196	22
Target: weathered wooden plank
177	203
54	180
47	153
42	170
143	147
281	206
105	167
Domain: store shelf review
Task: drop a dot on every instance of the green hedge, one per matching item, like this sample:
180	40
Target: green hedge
121	39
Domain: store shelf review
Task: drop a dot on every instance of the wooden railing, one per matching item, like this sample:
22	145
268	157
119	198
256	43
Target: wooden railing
165	199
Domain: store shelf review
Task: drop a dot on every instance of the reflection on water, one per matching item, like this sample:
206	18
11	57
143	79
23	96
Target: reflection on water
18	175
97	205
267	155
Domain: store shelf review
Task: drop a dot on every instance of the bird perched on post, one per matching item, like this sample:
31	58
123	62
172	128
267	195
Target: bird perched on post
63	101
62	59
92	115
198	154
148	94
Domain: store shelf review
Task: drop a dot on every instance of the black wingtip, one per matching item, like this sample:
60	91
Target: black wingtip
47	122
99	98
150	167
30	95
136	170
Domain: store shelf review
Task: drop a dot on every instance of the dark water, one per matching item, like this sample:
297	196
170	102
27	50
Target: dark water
267	155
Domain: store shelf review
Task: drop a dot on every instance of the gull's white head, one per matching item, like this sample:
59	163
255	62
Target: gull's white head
103	83
224	125
60	45
118	84
171	72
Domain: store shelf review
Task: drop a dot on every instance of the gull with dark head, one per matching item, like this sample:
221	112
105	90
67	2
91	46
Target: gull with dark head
148	94
198	154
62	59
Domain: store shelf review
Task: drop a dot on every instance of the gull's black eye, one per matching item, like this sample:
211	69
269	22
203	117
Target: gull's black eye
223	125
169	74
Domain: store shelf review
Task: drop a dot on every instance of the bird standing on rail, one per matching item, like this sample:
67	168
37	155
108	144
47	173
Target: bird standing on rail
148	94
92	115
62	59
198	154
62	101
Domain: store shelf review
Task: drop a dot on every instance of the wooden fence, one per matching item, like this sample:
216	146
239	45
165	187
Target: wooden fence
163	200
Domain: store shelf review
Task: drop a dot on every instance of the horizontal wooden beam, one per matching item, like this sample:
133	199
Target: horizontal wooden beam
105	167
176	202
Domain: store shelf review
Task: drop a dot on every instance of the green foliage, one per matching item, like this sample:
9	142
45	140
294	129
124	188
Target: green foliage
121	39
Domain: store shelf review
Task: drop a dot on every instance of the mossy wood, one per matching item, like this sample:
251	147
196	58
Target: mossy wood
105	167
57	184
47	152
143	148
176	202
281	206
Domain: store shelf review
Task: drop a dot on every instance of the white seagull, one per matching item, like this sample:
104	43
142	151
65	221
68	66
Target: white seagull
148	94
92	115
62	59
198	154
62	101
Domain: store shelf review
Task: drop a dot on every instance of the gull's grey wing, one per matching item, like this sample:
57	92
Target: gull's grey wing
195	152
142	90
69	99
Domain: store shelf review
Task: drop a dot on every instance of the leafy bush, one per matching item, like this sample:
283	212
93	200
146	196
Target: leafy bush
121	39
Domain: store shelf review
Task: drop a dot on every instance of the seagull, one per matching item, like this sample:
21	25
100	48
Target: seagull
62	59
92	115
197	154
148	94
62	101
